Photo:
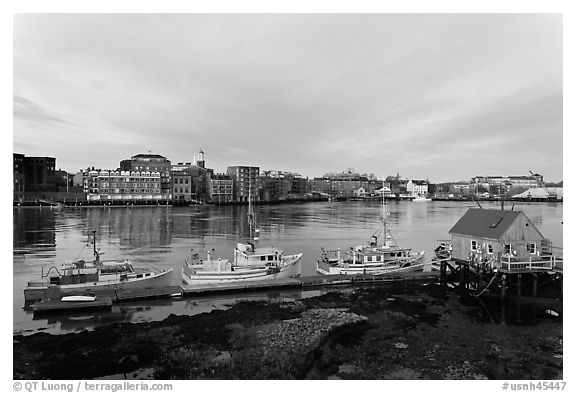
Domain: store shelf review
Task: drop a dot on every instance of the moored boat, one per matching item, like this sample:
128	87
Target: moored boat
250	263
372	258
259	264
83	278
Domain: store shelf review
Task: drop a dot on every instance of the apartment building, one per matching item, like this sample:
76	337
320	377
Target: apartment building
245	180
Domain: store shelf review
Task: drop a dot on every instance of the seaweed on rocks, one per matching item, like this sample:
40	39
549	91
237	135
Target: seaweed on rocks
368	333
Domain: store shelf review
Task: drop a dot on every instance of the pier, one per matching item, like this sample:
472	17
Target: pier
518	278
52	302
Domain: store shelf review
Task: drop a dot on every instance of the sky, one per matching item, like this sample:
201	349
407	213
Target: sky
443	97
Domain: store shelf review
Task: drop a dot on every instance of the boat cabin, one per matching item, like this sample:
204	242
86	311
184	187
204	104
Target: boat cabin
247	254
366	255
488	235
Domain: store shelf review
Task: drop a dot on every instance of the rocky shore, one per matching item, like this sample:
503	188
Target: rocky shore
397	332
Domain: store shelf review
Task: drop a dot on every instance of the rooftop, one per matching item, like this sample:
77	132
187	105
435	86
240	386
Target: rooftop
148	156
485	223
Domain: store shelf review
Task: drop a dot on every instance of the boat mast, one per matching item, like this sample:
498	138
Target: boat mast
385	229
96	253
250	218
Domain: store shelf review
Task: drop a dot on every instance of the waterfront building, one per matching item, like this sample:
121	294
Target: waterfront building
280	185
385	189
245	181
78	180
534	181
151	163
62	180
221	188
19	178
190	182
488	234
417	187
181	178
504	184
40	174
460	188
343	184
117	185
299	186
320	185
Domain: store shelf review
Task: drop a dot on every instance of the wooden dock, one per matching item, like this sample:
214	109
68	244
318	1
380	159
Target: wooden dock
125	295
52	303
58	306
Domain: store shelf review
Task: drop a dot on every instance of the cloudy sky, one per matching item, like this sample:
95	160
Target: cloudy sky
437	96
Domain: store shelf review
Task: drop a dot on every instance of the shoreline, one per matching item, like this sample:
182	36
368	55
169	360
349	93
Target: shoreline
59	205
403	331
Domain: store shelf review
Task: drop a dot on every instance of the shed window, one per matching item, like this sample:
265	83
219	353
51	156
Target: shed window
474	245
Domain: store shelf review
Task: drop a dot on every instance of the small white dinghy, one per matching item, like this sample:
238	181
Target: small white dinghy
78	298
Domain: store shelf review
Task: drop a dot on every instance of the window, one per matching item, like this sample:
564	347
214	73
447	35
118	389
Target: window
270	257
490	249
507	248
531	248
369	259
263	258
474	245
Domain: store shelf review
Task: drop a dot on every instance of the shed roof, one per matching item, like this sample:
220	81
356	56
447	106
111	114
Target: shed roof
486	223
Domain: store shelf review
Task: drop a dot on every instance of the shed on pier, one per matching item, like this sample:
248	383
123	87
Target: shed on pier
488	234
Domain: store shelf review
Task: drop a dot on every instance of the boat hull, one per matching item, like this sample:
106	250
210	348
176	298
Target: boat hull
152	280
292	268
414	265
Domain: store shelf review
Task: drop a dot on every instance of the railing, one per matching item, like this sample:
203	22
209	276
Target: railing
542	263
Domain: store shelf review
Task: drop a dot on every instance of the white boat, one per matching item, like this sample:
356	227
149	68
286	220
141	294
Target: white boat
372	258
261	264
249	263
420	198
82	278
78	298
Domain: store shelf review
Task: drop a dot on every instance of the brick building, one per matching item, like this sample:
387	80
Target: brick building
245	180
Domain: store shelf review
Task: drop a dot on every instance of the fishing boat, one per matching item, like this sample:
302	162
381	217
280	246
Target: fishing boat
249	263
373	258
83	278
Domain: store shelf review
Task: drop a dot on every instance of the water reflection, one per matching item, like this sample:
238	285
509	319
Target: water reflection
154	310
34	232
163	236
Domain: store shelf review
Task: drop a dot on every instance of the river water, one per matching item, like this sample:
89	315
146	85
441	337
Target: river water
162	237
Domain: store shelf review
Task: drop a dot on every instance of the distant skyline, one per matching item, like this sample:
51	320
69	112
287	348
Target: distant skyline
438	96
